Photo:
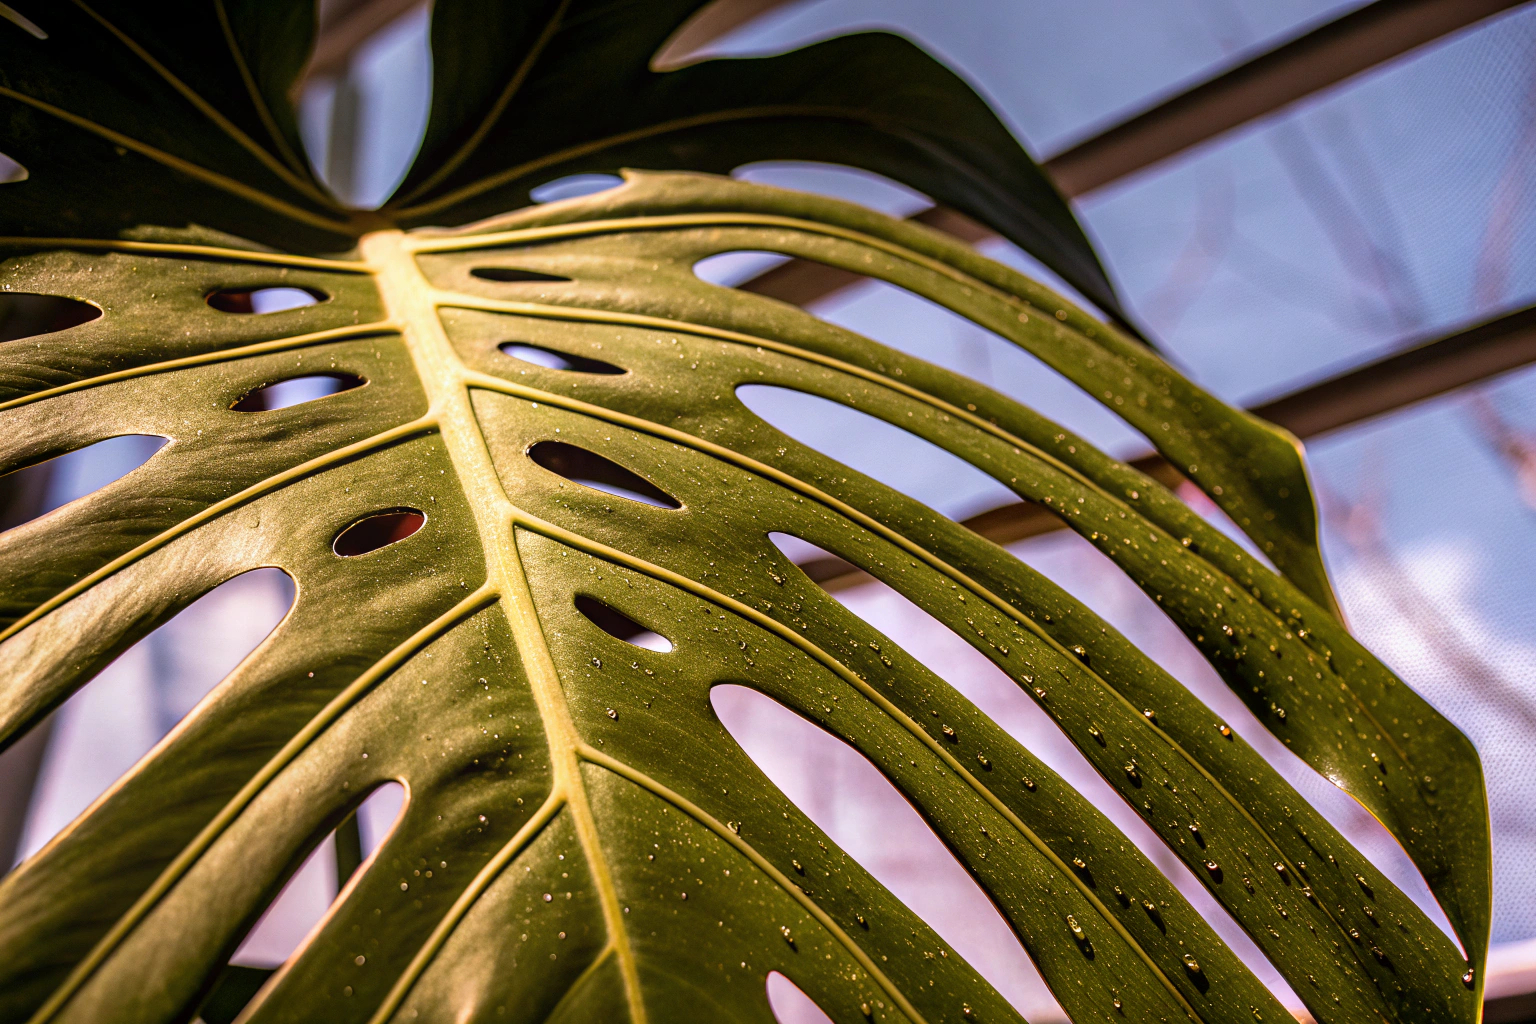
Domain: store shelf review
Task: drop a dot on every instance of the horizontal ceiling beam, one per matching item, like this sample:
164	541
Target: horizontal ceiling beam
1341	49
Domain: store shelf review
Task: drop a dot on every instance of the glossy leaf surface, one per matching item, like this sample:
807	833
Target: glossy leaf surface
582	839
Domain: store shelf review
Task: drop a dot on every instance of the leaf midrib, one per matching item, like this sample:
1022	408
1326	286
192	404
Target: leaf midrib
410	300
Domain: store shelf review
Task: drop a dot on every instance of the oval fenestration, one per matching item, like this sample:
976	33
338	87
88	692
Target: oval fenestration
552	360
296	391
514	275
270	299
573	186
729	269
378	530
318	880
33	491
26	315
895	456
592	470
620	626
790	1004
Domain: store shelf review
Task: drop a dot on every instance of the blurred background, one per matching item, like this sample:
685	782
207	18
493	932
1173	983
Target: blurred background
1323	211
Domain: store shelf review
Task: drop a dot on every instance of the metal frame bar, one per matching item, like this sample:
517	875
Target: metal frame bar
1341	49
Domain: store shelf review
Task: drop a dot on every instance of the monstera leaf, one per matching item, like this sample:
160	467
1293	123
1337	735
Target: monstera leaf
582	839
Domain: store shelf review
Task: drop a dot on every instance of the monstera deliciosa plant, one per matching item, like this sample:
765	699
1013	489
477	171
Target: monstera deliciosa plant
582	839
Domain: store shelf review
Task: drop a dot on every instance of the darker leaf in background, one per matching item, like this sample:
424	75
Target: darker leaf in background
574	93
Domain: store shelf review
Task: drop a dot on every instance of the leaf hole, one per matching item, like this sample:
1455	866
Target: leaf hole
513	275
620	626
821	565
953	658
592	470
296	391
730	269
889	454
790	1004
12	171
111	722
300	907
26	315
377	530
550	359
852	801
1075	565
924	329
573	186
34	491
269	299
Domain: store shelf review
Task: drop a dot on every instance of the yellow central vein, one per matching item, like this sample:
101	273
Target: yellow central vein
409	299
544	311
764	865
960	577
853	679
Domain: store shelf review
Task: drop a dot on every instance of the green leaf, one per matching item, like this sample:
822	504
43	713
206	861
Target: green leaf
562	784
564	86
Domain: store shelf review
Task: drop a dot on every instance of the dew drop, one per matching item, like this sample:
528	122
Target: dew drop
548	898
1466	979
949	734
1225	729
982	760
1191	964
612	713
1077	862
1080	651
1077	929
1132	771
1149	715
1029	783
359	959
1212	867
